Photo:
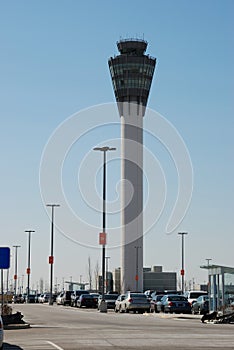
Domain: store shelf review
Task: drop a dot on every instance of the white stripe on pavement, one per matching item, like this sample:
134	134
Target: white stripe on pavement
54	345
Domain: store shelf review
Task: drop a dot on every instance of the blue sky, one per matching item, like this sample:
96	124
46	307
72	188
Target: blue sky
54	63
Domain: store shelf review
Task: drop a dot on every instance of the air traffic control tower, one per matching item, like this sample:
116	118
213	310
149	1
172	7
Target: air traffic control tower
132	72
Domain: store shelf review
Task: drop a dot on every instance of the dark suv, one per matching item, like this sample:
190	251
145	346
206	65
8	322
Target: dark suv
75	296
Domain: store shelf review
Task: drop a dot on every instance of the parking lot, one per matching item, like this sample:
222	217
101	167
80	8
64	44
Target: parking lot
66	328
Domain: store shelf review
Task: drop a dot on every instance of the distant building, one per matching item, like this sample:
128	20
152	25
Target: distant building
155	279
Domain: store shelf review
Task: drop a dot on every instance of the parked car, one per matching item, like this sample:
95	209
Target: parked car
66	297
18	299
154	301
118	302
87	300
201	306
45	297
30	298
96	295
59	299
109	299
1	333
174	303
136	302
40	298
75	296
149	293
192	295
37	297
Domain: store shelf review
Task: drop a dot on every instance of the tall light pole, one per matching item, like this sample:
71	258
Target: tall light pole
107	279
102	238
182	262
51	257
16	258
28	271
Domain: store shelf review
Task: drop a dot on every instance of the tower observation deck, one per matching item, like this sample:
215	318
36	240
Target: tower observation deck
132	73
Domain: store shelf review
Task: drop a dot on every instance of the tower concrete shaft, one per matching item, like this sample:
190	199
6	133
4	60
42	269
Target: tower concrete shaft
132	72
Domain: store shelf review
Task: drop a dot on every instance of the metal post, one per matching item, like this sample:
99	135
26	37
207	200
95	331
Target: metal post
15	276
104	150
2	290
51	257
208	284
107	279
28	268
182	272
104	223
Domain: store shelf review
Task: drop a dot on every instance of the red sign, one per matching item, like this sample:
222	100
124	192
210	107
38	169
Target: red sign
28	271
182	272
15	277
102	238
136	278
51	259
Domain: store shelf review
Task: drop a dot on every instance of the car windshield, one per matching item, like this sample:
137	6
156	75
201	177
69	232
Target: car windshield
195	295
110	297
177	298
135	295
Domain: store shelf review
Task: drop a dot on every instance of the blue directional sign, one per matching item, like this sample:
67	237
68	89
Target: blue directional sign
4	257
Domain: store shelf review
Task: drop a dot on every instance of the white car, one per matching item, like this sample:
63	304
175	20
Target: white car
1	333
192	295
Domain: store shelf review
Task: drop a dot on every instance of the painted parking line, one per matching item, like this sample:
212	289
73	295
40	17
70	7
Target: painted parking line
54	345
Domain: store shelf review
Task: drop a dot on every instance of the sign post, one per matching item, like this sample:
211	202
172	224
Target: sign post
4	264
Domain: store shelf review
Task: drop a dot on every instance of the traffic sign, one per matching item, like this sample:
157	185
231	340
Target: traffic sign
4	257
182	272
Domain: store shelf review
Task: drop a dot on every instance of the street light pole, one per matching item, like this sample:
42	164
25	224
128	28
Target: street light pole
28	271
103	237
15	275
182	263
51	257
107	279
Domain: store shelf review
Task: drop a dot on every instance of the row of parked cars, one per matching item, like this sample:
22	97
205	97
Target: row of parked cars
150	301
196	302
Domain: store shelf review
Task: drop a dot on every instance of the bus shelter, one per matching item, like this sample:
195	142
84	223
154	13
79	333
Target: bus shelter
220	287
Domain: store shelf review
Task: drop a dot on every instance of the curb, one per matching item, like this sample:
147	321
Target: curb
16	326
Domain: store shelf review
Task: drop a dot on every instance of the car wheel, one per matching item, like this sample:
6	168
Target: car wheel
127	311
